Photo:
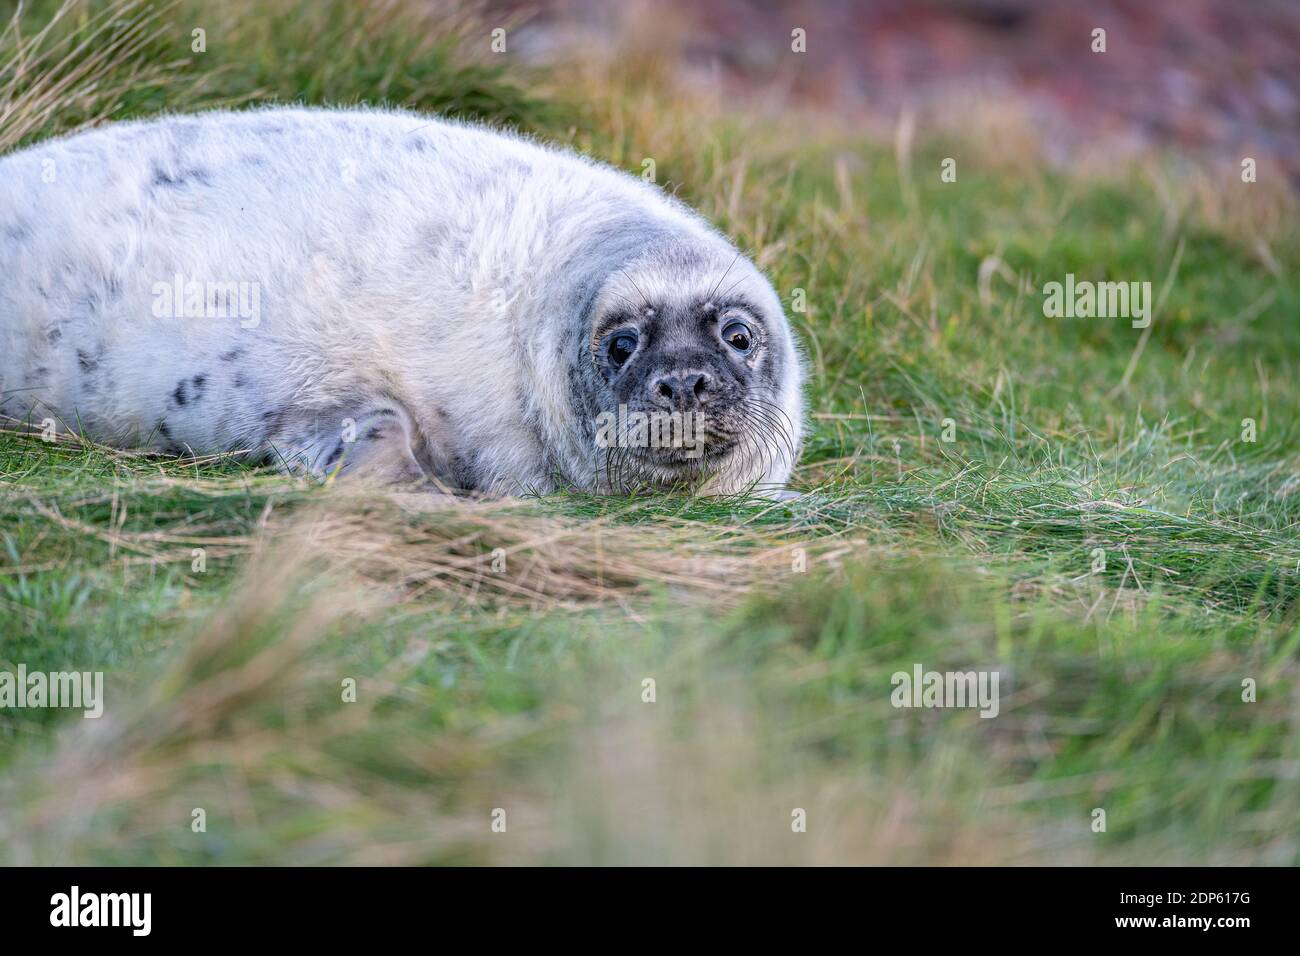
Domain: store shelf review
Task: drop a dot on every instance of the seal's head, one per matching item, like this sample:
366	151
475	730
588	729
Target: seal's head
697	375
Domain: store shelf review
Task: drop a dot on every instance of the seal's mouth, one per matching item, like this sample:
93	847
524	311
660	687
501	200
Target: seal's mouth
645	447
688	461
659	470
685	460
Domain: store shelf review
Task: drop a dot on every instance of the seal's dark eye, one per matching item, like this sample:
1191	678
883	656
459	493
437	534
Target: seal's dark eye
738	336
621	348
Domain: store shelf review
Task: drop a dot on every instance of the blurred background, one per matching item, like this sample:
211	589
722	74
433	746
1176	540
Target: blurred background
1209	76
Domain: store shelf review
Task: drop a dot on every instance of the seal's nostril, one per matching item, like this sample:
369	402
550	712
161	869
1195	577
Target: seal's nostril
683	390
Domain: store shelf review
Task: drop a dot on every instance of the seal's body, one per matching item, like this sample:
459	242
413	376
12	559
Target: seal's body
386	293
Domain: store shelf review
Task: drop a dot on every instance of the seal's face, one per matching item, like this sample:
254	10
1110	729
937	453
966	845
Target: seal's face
693	387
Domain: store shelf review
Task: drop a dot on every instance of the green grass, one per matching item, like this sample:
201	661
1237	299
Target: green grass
1122	687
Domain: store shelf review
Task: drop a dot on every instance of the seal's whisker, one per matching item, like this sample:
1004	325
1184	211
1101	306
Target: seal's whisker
713	291
731	288
632	306
759	393
759	445
775	427
644	300
782	419
777	438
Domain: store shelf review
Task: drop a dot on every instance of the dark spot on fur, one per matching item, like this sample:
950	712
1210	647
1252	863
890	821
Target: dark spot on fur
191	391
240	380
272	419
170	445
464	472
182	178
121	216
86	361
53	334
435	234
232	354
334	456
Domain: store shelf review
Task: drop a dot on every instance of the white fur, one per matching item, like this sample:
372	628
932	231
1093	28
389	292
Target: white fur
398	259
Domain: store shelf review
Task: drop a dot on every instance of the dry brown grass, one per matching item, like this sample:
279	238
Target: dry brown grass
54	73
245	723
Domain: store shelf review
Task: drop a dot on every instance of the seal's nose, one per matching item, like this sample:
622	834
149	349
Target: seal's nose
681	391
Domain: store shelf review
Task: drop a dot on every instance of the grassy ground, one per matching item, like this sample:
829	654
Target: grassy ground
1097	528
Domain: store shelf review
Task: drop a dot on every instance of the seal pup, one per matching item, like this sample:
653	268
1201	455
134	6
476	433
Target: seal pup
384	293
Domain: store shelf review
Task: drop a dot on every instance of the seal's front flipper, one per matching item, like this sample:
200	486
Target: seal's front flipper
377	444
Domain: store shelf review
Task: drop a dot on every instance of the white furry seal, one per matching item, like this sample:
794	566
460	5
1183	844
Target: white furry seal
387	293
